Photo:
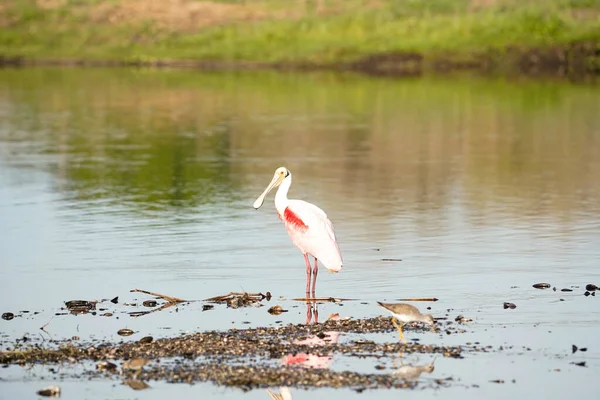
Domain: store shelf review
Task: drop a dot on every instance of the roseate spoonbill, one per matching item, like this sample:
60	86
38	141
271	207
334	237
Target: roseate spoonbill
308	226
406	313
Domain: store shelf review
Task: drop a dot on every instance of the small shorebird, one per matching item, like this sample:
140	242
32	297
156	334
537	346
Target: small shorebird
308	226
136	364
406	313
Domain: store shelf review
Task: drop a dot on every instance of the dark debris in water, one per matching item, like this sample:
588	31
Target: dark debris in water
8	316
542	285
240	299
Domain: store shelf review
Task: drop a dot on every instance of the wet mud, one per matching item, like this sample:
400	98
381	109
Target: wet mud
246	358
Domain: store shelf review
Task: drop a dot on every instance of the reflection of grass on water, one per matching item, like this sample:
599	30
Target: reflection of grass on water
315	32
162	138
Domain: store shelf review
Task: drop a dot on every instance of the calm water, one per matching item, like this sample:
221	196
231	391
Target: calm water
112	180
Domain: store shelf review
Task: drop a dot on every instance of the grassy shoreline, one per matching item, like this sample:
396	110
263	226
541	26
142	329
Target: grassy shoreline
408	36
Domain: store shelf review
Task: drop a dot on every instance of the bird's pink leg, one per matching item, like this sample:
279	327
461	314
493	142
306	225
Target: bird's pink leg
307	274
315	270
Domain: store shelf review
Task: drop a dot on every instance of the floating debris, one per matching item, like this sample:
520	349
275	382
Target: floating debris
239	299
115	300
579	364
150	303
419	299
497	381
50	391
168	299
207	307
591	287
573	349
461	319
146	340
566	290
125	332
80	306
106	366
8	316
542	285
509	305
391	259
322	299
586	294
276	310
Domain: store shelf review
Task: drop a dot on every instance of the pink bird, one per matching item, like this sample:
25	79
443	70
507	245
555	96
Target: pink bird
308	226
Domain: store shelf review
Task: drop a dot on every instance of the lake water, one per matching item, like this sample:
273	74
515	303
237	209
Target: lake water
112	180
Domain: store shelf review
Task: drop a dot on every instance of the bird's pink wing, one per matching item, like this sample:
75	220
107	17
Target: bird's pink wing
313	232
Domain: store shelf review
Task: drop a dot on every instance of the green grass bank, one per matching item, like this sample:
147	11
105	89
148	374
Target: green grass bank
384	36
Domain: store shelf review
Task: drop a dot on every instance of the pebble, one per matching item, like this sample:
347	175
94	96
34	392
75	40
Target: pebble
591	287
150	303
8	316
207	307
542	285
106	366
276	310
125	332
146	340
509	305
50	391
566	290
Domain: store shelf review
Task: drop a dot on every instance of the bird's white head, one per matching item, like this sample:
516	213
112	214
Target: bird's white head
280	174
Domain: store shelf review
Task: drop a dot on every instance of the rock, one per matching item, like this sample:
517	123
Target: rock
150	303
125	332
50	391
542	285
8	316
276	310
591	287
106	366
146	339
509	305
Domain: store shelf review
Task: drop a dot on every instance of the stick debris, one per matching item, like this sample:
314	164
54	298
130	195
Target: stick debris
168	299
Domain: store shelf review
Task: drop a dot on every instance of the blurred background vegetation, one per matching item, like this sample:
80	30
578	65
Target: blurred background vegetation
300	32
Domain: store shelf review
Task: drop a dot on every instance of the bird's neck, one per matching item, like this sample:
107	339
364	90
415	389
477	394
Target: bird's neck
281	200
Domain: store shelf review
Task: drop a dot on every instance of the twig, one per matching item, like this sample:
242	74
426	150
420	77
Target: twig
419	299
162	296
233	294
323	299
46	324
136	314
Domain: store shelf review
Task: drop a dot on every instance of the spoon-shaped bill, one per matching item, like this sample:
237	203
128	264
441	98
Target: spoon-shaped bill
274	182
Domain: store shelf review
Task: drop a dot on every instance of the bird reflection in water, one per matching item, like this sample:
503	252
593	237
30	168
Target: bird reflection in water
410	372
307	360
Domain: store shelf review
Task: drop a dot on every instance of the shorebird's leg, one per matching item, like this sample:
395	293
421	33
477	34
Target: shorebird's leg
399	327
315	270
308	312
316	312
307	274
